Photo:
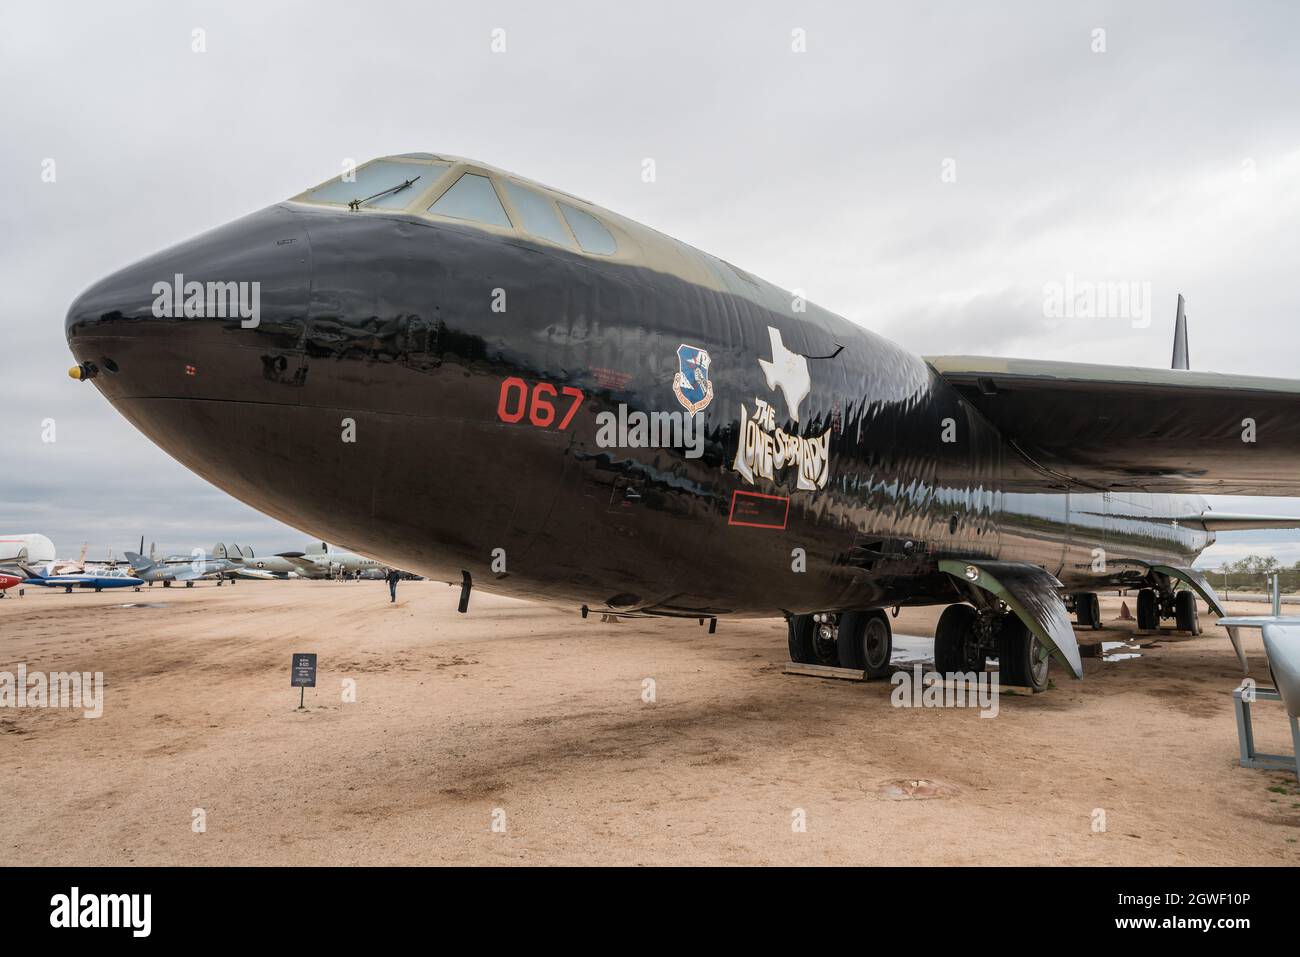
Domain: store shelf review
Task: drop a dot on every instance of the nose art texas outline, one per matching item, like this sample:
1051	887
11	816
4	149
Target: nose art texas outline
787	371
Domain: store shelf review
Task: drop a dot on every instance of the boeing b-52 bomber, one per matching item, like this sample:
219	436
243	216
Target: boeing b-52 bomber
491	381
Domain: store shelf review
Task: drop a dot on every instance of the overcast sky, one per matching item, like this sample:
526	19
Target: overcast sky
1172	158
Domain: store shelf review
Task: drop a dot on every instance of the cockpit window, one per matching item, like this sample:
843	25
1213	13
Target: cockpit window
472	197
384	177
538	214
592	236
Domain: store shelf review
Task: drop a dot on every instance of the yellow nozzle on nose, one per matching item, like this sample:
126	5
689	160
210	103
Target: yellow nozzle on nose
76	373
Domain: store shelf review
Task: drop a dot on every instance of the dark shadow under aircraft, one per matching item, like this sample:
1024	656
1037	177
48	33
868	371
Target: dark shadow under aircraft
489	381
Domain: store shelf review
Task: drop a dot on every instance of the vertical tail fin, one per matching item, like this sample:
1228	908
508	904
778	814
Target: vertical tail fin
138	562
1180	338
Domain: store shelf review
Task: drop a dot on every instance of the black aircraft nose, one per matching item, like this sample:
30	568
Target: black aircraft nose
204	319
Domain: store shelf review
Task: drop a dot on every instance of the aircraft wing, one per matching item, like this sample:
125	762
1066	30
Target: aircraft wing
1133	429
300	561
186	572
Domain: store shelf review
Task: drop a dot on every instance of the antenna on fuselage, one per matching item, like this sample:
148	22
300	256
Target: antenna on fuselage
1180	337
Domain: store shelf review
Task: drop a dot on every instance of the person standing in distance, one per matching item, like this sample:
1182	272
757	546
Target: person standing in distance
392	584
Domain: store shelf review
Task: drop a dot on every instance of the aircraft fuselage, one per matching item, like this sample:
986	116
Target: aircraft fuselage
451	398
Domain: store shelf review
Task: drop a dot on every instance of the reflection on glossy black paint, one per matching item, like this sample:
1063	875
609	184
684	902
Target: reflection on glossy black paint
387	320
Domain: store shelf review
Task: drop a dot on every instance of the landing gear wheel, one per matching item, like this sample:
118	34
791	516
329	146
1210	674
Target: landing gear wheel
823	644
189	584
1087	610
1022	661
865	642
800	635
878	645
1185	613
1148	610
956	643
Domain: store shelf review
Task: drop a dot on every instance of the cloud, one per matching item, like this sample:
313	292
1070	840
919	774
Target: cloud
820	171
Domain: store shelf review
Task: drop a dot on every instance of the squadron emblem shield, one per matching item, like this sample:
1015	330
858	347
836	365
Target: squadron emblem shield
691	384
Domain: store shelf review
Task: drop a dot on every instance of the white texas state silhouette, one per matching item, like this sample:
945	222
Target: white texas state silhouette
788	371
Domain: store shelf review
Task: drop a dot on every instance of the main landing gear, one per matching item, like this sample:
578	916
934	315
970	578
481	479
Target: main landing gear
1162	603
861	640
1087	610
967	637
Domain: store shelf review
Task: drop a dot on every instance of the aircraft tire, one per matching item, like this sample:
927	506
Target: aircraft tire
1087	610
878	645
800	636
848	643
865	642
1018	663
1185	613
1148	614
952	641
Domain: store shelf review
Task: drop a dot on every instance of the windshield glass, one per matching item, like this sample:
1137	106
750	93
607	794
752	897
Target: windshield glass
382	177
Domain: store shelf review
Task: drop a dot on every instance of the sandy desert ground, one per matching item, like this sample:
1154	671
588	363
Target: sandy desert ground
533	717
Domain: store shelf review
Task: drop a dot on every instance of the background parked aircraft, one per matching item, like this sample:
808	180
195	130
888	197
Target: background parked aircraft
320	561
336	559
25	549
182	568
97	579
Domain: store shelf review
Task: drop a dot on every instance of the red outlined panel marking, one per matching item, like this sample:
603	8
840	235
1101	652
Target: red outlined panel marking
754	510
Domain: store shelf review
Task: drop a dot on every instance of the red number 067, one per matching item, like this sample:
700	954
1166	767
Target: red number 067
517	400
